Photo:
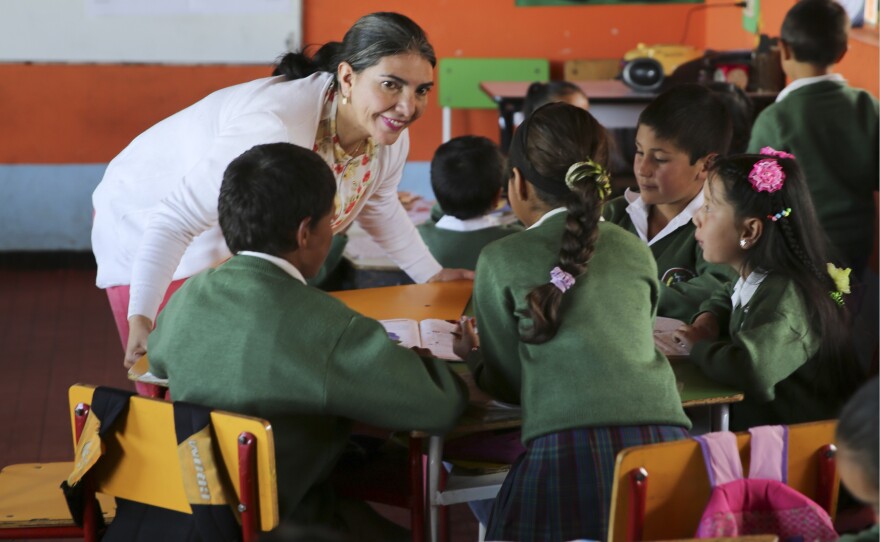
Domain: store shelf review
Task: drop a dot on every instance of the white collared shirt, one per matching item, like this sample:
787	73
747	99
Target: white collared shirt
744	289
804	81
448	222
547	215
286	266
638	213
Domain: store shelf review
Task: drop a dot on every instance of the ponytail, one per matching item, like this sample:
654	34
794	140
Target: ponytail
299	65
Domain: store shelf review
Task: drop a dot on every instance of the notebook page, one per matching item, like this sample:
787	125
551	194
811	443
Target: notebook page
437	337
406	330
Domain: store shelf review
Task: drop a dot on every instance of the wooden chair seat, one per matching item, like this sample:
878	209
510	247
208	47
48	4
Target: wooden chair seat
31	497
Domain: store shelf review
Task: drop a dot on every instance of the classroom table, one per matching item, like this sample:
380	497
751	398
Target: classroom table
614	104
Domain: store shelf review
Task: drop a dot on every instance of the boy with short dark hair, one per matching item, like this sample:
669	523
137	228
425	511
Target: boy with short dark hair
678	136
251	337
830	127
467	175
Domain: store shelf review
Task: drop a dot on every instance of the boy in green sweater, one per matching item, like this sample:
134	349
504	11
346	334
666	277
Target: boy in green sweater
678	136
467	174
829	126
251	337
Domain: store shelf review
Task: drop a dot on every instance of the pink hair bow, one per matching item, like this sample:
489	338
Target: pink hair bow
770	151
767	176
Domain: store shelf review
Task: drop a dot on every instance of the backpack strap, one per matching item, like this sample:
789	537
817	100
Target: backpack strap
769	458
721	457
203	473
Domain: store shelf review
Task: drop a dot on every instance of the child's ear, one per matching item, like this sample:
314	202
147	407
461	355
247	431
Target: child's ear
707	162
304	233
785	51
751	231
519	185
843	54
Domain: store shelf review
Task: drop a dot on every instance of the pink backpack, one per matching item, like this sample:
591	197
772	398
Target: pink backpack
761	503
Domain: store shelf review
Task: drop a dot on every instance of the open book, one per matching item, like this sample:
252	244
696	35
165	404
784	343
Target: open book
433	334
663	330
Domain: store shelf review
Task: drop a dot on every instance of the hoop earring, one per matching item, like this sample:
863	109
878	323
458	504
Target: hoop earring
743	244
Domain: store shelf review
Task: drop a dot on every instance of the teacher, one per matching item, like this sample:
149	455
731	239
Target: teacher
156	220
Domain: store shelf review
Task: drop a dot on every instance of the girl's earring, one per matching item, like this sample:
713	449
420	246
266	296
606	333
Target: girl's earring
743	243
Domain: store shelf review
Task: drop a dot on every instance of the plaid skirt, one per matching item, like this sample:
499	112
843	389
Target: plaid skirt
560	488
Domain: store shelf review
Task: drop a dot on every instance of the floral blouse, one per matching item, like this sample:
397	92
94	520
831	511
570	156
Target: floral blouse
353	174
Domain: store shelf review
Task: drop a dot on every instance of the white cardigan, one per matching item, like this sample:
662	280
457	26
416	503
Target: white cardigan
156	207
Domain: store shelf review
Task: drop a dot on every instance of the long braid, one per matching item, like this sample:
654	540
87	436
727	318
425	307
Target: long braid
584	206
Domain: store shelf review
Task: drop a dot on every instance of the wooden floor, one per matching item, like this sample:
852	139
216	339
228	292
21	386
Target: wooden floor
56	329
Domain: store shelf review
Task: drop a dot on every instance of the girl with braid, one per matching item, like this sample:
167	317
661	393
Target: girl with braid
565	312
781	332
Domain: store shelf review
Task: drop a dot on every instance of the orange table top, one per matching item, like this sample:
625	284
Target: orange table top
443	300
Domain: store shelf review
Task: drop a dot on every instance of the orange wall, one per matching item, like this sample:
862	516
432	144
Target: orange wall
86	113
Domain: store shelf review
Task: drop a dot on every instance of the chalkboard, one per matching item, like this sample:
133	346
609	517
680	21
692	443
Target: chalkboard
149	31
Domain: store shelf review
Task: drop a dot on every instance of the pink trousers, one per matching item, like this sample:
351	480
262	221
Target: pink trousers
118	297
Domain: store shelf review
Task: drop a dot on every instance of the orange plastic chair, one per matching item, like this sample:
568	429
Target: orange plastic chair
141	464
660	490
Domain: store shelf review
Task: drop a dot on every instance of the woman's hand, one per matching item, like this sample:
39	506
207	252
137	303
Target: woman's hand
139	328
466	337
446	275
704	328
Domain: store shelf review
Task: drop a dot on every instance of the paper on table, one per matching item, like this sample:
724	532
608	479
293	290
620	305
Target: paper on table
433	334
663	337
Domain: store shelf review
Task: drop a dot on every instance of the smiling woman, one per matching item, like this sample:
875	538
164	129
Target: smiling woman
351	102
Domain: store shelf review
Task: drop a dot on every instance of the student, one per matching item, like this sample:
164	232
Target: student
829	126
467	173
539	94
780	333
251	337
566	311
857	451
678	136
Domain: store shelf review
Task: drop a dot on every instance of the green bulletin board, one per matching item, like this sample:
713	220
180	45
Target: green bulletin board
597	2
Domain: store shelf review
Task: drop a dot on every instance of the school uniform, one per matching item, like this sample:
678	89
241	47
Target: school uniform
832	130
457	243
768	351
251	337
868	535
597	386
686	279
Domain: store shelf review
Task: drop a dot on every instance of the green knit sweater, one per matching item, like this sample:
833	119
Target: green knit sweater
832	130
249	338
601	368
460	249
769	353
686	279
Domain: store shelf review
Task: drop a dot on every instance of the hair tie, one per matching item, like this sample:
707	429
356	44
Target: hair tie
589	168
841	282
781	214
561	279
767	176
770	151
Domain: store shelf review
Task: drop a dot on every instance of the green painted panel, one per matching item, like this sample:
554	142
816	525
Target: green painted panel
459	78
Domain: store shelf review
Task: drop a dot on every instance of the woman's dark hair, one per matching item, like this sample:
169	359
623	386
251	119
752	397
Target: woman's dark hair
369	40
858	428
539	94
268	191
741	110
797	248
555	137
817	31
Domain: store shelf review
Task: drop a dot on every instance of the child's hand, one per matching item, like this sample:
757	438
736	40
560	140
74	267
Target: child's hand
466	337
139	328
707	324
704	328
446	275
